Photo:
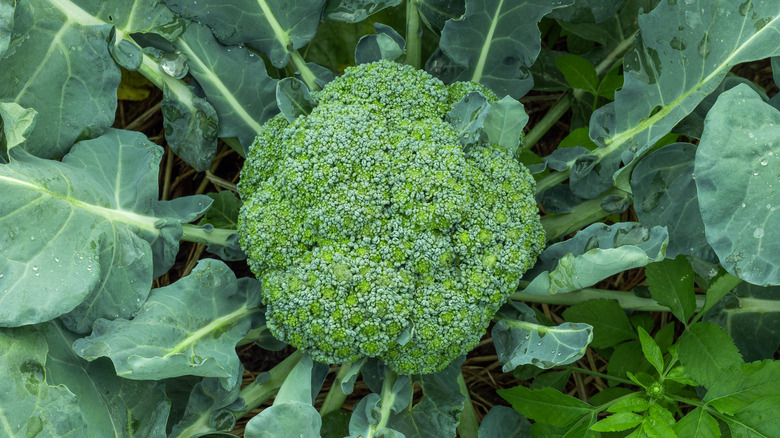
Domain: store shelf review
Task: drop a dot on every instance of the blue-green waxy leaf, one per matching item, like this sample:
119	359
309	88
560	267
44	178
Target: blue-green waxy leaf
683	52
274	27
435	13
75	398
293	98
162	342
504	124
738	184
17	124
286	420
611	325
206	409
495	43
6	23
85	235
504	422
594	254
234	81
386	44
111	405
58	64
190	126
353	11
665	195
468	117
587	11
751	317
437	415
521	340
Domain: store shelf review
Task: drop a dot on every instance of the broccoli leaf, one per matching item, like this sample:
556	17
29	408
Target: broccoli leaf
161	343
594	254
353	11
495	43
736	179
234	81
273	27
58	64
99	235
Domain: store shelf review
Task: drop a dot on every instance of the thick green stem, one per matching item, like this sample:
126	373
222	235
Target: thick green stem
469	424
256	394
548	121
306	74
336	397
598	374
197	234
627	300
584	214
413	43
386	404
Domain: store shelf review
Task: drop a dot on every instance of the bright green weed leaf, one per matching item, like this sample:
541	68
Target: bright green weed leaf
579	72
631	404
736	180
671	285
651	351
618	422
546	405
610	323
741	386
707	352
697	424
719	288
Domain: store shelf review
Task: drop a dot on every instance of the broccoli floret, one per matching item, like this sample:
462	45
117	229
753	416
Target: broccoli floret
374	234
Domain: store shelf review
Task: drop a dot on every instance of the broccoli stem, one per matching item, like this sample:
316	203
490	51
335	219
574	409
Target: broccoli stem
306	74
469	424
336	397
413	43
256	394
198	234
582	215
386	403
559	109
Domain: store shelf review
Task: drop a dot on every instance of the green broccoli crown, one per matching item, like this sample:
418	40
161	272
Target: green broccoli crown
374	234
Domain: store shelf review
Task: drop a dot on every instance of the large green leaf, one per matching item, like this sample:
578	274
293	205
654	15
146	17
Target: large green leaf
234	80
520	339
274	27
353	11
111	406
205	411
684	52
739	189
28	405
751	317
86	233
163	341
594	254
495	43
665	195
6	23
59	65
50	391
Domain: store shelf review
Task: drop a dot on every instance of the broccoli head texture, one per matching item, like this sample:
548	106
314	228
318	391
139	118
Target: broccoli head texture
374	233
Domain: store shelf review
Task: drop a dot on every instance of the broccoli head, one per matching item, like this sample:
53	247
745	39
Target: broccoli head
374	233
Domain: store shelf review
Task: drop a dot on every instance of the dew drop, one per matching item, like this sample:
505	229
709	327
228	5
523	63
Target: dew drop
743	205
35	268
32	237
764	162
56	260
758	233
540	343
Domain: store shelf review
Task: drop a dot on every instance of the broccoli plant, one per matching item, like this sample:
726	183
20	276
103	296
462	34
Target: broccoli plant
374	233
343	197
